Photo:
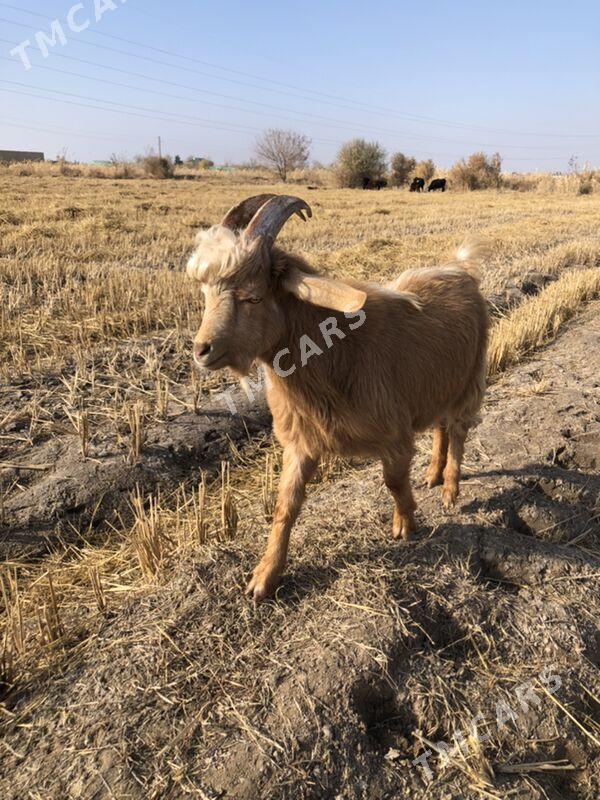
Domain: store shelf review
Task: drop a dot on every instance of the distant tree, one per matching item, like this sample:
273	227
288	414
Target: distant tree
402	166
156	166
478	171
358	160
424	169
282	151
118	159
178	162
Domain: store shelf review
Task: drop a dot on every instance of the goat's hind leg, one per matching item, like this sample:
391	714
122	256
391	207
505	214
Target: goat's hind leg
396	477
457	433
434	475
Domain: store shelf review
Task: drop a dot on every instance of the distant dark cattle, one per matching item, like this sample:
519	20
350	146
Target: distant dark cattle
417	185
437	184
374	183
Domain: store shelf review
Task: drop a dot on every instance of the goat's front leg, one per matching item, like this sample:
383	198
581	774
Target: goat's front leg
298	469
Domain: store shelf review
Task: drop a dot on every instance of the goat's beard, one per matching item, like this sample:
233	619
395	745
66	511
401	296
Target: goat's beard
243	367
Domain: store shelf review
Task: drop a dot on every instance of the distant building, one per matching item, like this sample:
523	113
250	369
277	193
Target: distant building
6	156
200	161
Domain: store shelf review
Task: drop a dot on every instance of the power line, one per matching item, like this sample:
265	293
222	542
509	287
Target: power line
173	83
364	106
8	123
339	124
158	115
343	125
181	122
178	66
223	126
79	134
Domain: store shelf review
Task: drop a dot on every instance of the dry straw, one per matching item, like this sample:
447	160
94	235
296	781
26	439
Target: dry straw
149	540
229	513
268	488
80	422
162	397
196	513
135	419
48	615
98	589
537	321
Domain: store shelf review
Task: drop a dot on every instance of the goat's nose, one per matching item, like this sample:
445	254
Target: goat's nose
201	349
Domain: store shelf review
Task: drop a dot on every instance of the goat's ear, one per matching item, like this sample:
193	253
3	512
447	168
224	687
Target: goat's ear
326	292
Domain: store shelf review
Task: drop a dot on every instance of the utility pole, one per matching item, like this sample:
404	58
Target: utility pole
159	147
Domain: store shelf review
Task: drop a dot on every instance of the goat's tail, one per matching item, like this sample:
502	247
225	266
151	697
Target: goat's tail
470	255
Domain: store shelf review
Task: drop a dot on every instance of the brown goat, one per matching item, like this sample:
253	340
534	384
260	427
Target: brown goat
352	368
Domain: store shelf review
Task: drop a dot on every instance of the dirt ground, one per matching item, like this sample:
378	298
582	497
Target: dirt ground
373	651
81	492
462	664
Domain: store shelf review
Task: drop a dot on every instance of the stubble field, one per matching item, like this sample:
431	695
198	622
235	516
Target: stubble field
133	506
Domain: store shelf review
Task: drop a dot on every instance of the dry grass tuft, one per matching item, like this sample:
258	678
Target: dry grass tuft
229	513
537	321
269	487
135	419
149	538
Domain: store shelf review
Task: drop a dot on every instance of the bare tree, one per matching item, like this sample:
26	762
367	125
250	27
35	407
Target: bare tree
402	166
359	161
283	151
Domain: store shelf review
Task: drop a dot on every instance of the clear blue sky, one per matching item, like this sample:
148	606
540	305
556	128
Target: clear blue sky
436	79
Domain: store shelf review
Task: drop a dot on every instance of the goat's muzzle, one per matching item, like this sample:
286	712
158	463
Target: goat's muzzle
207	357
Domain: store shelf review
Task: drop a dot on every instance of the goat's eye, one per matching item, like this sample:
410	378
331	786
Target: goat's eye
246	298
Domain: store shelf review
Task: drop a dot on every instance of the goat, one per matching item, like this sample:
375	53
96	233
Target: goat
437	184
397	359
417	185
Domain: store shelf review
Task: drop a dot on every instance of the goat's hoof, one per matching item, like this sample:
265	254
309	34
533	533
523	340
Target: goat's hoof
402	527
449	496
433	478
263	582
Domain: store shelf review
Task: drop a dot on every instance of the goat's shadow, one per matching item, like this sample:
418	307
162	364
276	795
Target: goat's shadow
305	577
550	485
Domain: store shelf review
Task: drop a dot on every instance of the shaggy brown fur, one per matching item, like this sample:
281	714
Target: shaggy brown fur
413	358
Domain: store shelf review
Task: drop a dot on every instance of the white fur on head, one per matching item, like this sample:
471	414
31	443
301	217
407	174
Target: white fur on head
218	249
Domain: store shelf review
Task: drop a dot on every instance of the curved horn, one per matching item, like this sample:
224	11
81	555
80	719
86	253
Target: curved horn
271	217
238	217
